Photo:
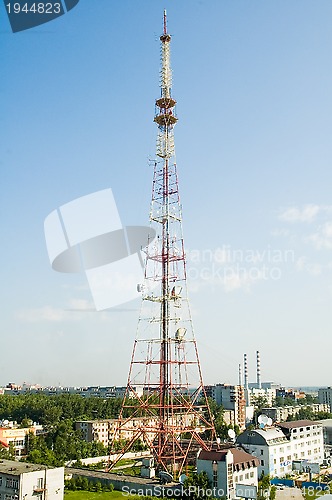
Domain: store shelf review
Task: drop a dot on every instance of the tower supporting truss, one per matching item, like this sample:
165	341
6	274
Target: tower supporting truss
165	405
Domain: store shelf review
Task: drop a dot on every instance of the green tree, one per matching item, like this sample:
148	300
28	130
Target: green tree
199	486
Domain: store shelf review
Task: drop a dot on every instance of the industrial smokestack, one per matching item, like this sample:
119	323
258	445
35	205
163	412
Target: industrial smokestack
245	362
240	374
258	359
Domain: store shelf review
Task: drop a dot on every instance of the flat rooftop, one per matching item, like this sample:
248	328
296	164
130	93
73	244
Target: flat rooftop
17	468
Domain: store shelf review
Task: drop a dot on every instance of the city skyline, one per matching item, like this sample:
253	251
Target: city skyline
252	82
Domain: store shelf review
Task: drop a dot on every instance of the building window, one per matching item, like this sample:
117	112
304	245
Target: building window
262	462
251	474
215	478
246	476
262	452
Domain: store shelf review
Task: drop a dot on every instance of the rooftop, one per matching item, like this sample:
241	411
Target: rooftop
240	457
17	468
298	423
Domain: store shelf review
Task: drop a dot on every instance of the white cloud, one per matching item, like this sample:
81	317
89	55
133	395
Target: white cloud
308	213
77	311
322	238
46	313
303	264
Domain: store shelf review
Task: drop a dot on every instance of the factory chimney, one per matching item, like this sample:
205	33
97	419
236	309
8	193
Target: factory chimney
258	364
245	362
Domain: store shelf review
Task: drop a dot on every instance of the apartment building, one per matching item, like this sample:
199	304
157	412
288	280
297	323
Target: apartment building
255	394
231	397
105	392
278	446
23	481
228	468
105	431
325	396
281	413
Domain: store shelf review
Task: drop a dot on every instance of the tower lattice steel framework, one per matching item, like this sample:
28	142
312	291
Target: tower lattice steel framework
165	405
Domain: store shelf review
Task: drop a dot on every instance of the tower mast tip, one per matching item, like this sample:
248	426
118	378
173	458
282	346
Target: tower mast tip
165	22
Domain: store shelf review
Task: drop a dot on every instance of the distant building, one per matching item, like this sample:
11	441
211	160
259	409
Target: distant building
295	394
107	430
226	468
268	394
22	481
264	385
231	397
105	392
12	435
277	447
281	413
327	434
325	396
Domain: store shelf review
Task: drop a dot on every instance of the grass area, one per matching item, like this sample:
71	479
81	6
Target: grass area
126	461
92	495
313	494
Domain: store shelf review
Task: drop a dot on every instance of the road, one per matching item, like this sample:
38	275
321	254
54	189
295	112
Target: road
289	494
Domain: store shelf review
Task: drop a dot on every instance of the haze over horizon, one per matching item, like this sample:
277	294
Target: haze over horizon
253	84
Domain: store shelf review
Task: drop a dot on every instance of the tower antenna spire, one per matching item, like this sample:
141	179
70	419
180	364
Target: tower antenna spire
165	22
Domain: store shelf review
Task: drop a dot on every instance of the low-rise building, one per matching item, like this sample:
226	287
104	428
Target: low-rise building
278	446
23	481
11	435
108	430
281	413
227	468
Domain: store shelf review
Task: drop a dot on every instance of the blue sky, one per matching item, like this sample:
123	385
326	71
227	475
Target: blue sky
253	83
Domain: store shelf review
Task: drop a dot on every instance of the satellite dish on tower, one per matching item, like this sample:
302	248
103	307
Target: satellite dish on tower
269	422
260	420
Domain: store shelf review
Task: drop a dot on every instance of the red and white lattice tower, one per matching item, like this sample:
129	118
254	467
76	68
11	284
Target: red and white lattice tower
165	404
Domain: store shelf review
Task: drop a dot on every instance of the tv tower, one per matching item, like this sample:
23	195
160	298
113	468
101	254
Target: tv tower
165	405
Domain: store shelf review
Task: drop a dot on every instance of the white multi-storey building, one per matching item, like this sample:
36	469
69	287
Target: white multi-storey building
23	481
267	393
227	468
277	447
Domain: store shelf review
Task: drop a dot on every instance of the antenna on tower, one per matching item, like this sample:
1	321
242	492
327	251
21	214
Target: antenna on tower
165	22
